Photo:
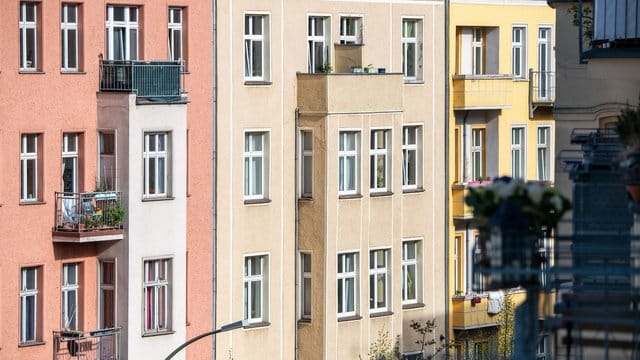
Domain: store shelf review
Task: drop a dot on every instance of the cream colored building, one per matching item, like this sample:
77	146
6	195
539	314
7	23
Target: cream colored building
330	175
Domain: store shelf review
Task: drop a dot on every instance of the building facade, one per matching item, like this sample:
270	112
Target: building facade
502	91
104	198
330	125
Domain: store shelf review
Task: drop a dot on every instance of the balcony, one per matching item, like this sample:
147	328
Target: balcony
324	94
103	344
88	217
158	81
460	209
542	90
482	92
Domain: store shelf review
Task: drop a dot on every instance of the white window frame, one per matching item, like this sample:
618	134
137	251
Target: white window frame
24	26
176	31
343	180
26	293
374	272
519	70
477	149
545	65
408	262
70	288
342	278
69	143
249	39
518	152
66	27
351	22
159	283
129	26
262	279
407	148
416	41
153	157
249	191
306	152
376	153
306	275
25	157
313	39
546	148
106	288
477	62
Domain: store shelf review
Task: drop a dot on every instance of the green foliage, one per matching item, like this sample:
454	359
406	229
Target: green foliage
587	19
381	348
428	339
506	330
327	68
628	127
114	215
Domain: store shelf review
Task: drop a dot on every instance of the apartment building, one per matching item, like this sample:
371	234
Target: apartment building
330	130
104	197
502	92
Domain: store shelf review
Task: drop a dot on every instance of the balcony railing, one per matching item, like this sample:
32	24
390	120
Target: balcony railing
103	344
83	217
162	80
482	91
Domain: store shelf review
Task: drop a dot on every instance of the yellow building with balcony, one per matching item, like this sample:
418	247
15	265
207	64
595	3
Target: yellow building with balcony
502	90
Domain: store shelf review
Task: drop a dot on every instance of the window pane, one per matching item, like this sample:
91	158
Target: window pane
71	13
411	167
340	295
257	175
306	260
381	169
133	46
308	174
372	292
256	142
162	142
29	312
307	296
247	176
133	14
307	140
31	179
107	273
349	262
381	288
411	282
257	25
152	177
30	279
319	30
341	174
161	176
256	308
150	307
72	275
31	48
162	303
410	61
351	171
318	53
349	293
380	259
108	306
257	58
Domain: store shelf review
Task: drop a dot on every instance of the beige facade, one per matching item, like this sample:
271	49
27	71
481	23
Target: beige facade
283	203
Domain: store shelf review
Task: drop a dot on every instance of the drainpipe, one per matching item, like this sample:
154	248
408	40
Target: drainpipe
465	168
297	237
214	172
447	188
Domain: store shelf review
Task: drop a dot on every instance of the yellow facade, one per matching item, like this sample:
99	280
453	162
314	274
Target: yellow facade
501	88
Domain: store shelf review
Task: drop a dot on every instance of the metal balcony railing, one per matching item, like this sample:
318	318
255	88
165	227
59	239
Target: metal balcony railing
82	212
161	80
543	86
103	344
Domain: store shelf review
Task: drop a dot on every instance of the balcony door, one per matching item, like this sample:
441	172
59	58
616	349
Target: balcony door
544	62
122	32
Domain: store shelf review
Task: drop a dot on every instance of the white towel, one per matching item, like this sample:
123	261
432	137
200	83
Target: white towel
496	302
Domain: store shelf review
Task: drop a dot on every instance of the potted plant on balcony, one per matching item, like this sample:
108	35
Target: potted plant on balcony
628	128
114	215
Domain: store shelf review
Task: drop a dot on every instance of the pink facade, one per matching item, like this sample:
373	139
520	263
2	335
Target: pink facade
42	102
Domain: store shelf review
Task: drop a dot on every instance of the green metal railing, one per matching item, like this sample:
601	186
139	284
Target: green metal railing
160	80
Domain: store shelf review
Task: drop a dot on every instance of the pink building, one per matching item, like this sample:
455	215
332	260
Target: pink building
105	178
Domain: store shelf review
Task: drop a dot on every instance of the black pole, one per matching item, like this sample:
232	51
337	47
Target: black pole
232	326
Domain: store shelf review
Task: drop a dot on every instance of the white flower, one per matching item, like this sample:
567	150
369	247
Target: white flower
535	192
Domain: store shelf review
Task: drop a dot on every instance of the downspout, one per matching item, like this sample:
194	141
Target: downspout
214	171
465	168
297	237
447	187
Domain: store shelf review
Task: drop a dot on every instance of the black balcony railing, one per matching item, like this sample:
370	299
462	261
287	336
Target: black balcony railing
162	80
82	212
103	344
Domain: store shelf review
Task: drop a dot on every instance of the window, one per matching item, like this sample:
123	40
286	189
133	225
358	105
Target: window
29	34
30	305
255	165
378	280
29	168
477	154
518	51
517	152
544	63
157	295
544	166
458	265
318	40
348	163
256	47
306	163
107	294
411	156
305	265
70	305
70	162
69	37
255	288
410	272
347	298
477	51
379	166
350	30
156	164
481	350
177	38
412	49
122	32
107	165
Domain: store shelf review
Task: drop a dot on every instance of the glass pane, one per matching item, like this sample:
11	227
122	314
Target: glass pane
31	179
341	260
351	172
477	57
71	13
176	44
256	308
349	263
411	282
162	301
307	175
254	263
257	25
340	295
72	274
108	306
247	22
151	142
307	140
162	269
257	175
118	13
381	259
306	260
307	297
381	288
247	176
409	29
318	56
351	141
256	142
411	167
22	54
256	63
72	310
72	142
176	16
161	176
318	28
381	172
118	43
152	176
133	14
341	174
246	299
133	47
150	308
30	279
107	273
411	59
30	12
372	291
30	317
150	271
350	294
31	48
410	252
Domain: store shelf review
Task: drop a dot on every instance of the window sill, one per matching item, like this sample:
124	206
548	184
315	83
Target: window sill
29	344
381	193
413	191
31	72
350	196
305	198
380	314
27	203
414	82
349	318
163	198
340	44
257	201
73	72
304	321
417	305
159	333
520	79
257	83
257	325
